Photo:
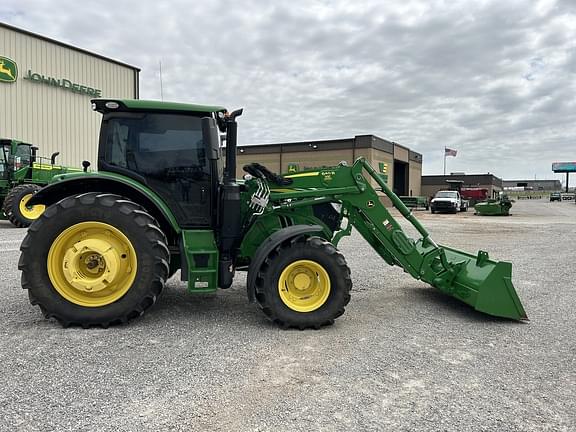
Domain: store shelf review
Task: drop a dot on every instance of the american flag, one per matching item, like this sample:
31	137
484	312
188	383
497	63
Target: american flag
449	152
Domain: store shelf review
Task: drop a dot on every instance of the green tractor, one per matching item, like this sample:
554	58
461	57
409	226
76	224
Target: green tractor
22	174
162	200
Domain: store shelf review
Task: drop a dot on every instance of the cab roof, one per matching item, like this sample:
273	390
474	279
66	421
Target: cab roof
103	106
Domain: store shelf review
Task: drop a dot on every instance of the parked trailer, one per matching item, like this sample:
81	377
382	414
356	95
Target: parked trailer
474	195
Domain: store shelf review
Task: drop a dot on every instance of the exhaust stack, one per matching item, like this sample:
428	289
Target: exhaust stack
231	145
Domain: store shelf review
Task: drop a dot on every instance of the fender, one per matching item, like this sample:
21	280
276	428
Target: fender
268	246
76	184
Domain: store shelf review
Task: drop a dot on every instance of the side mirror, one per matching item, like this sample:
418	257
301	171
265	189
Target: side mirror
53	157
85	165
211	137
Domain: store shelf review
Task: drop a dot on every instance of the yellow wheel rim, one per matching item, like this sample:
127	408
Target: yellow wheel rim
30	212
92	264
304	286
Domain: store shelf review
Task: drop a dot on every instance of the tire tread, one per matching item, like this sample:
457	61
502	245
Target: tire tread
326	248
150	230
11	204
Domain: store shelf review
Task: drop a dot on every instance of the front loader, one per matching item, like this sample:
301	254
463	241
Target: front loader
162	201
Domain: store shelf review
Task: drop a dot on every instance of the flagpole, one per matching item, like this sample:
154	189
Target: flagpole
161	89
444	160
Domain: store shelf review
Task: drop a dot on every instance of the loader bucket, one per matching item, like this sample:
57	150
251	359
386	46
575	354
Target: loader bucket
484	284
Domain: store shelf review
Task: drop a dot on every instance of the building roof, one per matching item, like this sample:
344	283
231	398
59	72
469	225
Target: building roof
536	184
533	181
468	179
65	45
359	141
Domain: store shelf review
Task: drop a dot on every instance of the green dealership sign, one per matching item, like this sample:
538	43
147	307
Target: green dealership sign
62	83
9	74
383	171
8	70
293	167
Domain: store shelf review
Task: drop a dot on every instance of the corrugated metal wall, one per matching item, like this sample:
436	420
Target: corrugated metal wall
50	117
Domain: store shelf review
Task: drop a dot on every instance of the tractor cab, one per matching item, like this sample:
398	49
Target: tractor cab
168	150
22	155
14	156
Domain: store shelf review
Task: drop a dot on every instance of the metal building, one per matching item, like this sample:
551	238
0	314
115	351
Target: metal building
537	185
433	183
45	91
399	166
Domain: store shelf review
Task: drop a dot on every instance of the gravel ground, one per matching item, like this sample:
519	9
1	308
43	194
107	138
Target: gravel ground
403	357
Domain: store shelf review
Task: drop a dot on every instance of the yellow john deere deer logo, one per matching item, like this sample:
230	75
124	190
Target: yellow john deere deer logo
8	70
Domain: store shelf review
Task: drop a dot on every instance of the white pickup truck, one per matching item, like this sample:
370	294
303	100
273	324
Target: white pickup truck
448	201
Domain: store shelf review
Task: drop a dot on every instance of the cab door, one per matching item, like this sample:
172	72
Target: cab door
167	152
4	152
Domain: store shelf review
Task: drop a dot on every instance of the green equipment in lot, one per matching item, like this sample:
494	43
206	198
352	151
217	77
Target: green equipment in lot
494	207
162	201
23	173
414	202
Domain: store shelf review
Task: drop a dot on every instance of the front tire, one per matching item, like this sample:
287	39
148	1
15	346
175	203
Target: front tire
16	209
94	260
304	284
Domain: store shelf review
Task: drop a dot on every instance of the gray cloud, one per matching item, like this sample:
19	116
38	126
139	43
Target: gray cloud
493	79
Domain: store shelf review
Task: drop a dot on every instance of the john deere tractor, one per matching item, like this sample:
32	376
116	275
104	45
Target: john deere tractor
23	173
163	200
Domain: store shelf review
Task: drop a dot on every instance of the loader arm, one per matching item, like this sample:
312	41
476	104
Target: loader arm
476	280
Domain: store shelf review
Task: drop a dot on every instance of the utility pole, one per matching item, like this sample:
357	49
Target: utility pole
161	89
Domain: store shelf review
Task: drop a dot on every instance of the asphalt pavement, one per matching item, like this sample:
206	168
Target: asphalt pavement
403	357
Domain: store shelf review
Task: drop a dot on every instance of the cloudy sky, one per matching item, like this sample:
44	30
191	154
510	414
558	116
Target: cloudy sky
495	80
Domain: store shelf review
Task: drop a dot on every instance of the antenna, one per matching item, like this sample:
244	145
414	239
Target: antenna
161	89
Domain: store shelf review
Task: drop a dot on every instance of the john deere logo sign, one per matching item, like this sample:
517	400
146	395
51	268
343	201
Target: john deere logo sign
293	167
8	70
9	73
63	84
383	167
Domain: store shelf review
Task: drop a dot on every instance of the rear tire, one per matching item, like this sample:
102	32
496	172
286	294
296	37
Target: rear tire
94	260
304	284
15	207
